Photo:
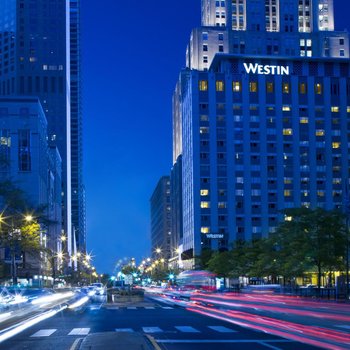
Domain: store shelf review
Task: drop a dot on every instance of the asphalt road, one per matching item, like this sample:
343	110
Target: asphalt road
171	327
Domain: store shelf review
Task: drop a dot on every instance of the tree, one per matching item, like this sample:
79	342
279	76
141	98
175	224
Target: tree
310	239
19	232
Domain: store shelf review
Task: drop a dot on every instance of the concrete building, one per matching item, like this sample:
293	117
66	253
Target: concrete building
35	167
40	51
263	107
161	220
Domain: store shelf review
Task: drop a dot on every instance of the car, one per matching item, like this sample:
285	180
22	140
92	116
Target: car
98	288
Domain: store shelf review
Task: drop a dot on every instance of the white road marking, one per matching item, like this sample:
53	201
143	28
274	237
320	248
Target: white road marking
167	307
152	330
187	329
222	329
76	344
79	331
44	333
126	330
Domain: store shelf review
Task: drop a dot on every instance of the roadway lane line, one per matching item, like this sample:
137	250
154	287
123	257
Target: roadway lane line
44	333
152	330
222	329
167	308
187	329
79	331
76	344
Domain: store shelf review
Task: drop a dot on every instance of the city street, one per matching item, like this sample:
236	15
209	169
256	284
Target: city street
171	327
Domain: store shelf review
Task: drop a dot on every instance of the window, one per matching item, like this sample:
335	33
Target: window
205	205
221	36
269	87
304	120
286	108
221	48
320	132
285	88
203	130
236	86
287	193
205	229
287	132
318	89
222	205
335	145
220	86
203	85
253	86
302	88
205	36
335	109
204	193
24	156
205	47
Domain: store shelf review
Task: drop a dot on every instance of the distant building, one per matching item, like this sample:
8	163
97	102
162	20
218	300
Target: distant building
260	119
161	220
35	167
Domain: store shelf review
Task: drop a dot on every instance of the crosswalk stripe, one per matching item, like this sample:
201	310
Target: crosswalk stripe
44	333
187	329
167	307
79	331
152	330
221	329
126	330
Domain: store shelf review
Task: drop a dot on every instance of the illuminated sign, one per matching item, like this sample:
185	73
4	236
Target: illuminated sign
215	235
255	68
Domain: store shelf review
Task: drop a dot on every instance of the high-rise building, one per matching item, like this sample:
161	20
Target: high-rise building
161	219
40	57
260	119
78	189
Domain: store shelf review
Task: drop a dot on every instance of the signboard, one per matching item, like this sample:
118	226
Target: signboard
261	69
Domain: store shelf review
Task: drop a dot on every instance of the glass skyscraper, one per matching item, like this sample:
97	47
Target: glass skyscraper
41	57
260	119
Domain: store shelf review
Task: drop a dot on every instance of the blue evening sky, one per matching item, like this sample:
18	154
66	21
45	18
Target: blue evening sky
132	53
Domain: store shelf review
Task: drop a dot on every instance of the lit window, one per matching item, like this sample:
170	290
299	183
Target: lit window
269	87
335	109
203	85
253	86
302	88
222	205
285	88
287	193
236	86
204	192
287	132
320	132
220	85
203	130
335	144
286	108
348	109
205	205
336	181
318	89
304	120
205	230
320	193
287	180
288	218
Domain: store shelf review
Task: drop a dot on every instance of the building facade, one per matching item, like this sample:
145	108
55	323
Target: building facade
161	220
40	57
263	119
36	168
